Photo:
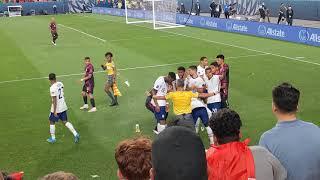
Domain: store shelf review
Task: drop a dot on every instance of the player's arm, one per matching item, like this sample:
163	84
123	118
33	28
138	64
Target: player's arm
153	93
54	102
155	98
87	77
205	95
103	67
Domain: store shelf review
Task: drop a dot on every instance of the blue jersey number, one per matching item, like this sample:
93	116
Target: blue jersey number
59	90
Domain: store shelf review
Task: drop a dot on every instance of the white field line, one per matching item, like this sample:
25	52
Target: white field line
124	69
216	42
95	37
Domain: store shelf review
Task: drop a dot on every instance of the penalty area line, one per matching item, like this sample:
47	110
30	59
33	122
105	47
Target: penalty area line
95	37
125	69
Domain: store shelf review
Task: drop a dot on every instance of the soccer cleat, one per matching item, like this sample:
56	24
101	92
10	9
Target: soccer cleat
85	106
51	140
77	138
94	109
114	104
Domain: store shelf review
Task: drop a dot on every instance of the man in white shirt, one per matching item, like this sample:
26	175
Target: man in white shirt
181	74
160	88
202	67
59	109
213	85
199	110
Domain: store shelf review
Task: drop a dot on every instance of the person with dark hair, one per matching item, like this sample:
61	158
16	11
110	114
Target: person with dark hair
60	175
212	8
181	74
262	12
197	8
247	162
53	30
88	86
182	8
294	142
59	109
160	107
133	157
213	85
282	11
111	71
226	10
201	68
289	15
178	154
224	72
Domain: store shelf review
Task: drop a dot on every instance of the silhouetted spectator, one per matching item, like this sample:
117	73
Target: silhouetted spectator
289	14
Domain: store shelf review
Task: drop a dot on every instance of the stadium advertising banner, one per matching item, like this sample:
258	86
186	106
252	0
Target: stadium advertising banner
297	34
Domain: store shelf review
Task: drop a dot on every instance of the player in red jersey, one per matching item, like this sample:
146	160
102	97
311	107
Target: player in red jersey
54	32
88	86
224	80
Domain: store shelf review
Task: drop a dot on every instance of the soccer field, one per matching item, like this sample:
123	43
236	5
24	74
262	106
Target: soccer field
141	55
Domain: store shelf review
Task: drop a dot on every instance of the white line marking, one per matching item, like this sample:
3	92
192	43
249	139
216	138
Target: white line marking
103	40
125	69
216	42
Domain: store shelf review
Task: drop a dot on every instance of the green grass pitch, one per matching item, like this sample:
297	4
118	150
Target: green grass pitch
141	55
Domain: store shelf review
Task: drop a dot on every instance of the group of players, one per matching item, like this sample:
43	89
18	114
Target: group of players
209	84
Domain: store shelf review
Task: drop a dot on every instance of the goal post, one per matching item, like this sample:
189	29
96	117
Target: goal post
14	11
160	13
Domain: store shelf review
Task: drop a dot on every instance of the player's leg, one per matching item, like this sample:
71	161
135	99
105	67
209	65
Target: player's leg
52	120
107	89
92	101
205	121
85	98
115	97
160	117
63	116
196	116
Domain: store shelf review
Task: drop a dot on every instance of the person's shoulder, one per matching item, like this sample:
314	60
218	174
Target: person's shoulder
269	134
308	125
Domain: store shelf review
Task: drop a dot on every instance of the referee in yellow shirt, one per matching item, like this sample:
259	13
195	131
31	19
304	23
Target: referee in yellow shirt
182	101
110	69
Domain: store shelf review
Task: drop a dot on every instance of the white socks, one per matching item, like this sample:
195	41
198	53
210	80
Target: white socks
52	131
71	128
160	127
210	134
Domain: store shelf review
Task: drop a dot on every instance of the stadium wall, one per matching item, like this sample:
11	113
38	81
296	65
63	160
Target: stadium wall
296	34
62	7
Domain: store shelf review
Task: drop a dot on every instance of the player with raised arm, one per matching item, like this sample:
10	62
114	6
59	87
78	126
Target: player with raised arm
54	32
213	86
110	69
199	109
88	86
59	109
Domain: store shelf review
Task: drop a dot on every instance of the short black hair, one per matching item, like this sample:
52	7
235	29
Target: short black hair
181	68
286	98
193	67
203	58
52	76
225	125
208	69
220	56
87	58
108	54
180	83
172	75
215	64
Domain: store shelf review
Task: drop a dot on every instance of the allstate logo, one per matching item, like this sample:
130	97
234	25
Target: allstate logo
262	30
202	22
181	19
229	26
303	35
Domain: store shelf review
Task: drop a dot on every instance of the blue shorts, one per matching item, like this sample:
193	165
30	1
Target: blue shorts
161	115
200	112
61	116
214	107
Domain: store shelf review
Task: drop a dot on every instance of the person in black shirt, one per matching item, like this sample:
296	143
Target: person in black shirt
289	15
213	7
282	10
197	8
182	9
262	13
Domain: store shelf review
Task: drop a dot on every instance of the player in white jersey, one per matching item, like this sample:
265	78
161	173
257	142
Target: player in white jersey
199	110
202	67
59	109
160	88
181	74
213	86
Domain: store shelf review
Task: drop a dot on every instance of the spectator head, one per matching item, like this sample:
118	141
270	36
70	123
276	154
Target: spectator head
192	70
285	99
178	153
133	157
87	60
220	59
290	7
181	71
170	78
108	56
204	61
209	72
214	67
60	176
225	125
52	77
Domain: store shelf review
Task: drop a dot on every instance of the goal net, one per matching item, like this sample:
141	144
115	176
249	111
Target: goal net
161	13
14	11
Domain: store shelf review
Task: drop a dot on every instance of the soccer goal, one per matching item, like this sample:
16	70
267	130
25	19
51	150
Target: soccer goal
161	13
14	11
